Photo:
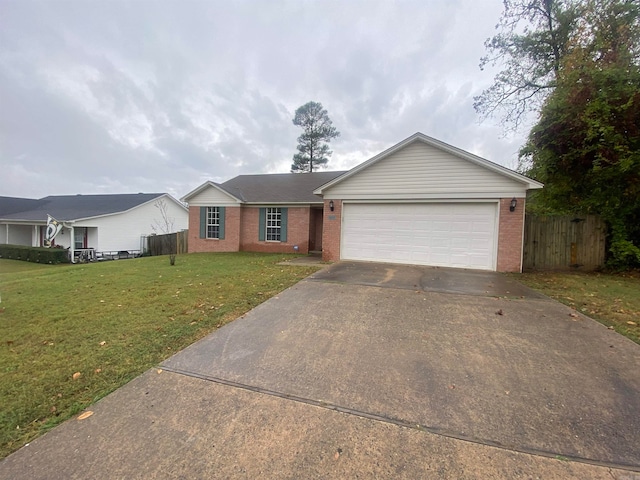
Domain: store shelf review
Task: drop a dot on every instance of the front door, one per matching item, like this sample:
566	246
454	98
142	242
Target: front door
315	229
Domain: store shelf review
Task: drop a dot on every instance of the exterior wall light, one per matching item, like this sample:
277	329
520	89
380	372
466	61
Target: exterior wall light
331	205
513	204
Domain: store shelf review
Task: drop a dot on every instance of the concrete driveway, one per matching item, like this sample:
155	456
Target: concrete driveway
372	371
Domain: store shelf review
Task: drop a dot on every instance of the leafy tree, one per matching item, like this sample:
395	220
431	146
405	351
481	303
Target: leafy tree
313	150
586	145
531	55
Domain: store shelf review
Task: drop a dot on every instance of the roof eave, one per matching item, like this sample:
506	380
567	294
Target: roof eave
22	221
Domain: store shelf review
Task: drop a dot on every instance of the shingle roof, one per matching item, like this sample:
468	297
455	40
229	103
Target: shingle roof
71	207
9	205
279	187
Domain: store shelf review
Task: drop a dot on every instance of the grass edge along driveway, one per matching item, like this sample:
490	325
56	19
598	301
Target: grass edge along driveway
71	334
612	299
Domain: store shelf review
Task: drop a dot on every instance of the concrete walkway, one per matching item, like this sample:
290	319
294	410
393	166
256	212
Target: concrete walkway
371	371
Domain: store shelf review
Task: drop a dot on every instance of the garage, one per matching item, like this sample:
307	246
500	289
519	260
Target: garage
425	202
452	234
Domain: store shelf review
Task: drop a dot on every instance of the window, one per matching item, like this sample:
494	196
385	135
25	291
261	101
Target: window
213	222
80	237
274	223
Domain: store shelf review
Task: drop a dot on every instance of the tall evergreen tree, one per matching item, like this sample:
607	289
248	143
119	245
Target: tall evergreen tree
318	130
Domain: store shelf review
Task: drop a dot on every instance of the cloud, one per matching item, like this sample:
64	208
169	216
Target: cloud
126	96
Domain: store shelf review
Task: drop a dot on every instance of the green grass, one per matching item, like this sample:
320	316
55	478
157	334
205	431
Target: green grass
16	266
110	322
612	299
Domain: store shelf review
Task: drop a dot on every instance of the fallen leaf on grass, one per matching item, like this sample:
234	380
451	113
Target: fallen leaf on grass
76	375
103	343
86	414
632	323
98	370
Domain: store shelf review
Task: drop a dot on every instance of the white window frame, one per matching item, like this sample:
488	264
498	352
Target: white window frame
273	224
213	222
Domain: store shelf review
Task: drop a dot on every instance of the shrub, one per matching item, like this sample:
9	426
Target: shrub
34	254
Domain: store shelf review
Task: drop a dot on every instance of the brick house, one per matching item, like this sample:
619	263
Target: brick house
419	202
276	213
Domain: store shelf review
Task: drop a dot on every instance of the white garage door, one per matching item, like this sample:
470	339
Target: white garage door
461	235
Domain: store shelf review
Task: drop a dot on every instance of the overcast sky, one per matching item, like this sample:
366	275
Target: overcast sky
160	96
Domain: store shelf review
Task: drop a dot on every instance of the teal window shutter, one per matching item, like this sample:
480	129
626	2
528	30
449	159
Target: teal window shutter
221	211
283	224
203	222
262	224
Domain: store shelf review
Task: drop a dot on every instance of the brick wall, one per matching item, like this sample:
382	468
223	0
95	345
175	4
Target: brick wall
231	241
297	231
510	236
331	231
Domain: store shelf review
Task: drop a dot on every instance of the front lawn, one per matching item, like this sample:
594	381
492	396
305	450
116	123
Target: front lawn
15	266
72	334
612	299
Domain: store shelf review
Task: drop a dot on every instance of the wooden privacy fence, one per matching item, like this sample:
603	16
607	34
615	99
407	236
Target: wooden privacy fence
168	243
564	242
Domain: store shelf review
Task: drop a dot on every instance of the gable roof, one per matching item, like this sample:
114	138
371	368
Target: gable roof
72	207
271	188
420	137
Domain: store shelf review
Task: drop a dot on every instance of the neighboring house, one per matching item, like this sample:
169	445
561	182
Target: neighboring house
100	223
419	202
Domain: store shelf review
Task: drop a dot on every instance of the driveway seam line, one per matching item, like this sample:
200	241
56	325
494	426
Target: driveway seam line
401	423
422	290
